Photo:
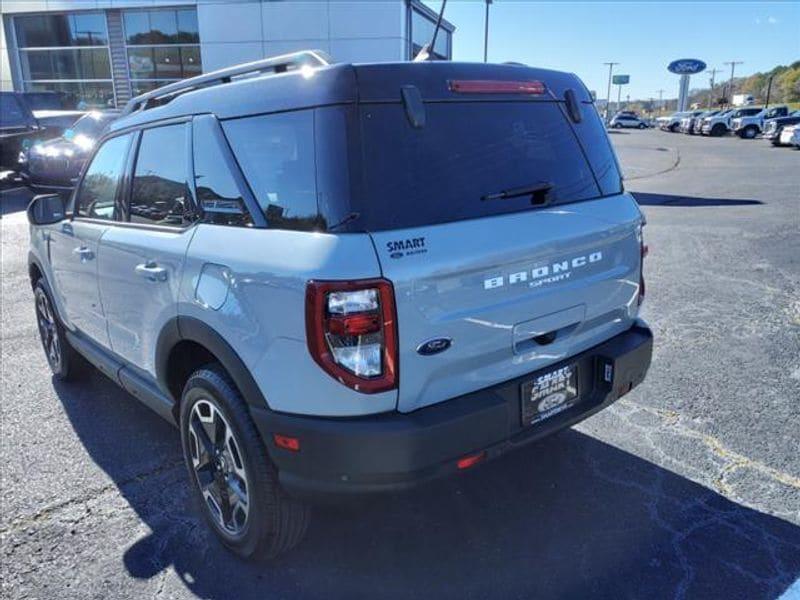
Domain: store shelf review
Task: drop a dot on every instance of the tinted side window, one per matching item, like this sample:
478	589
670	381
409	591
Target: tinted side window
97	194
217	191
160	194
276	153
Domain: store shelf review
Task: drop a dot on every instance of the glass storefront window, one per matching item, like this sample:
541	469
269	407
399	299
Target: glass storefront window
156	27
65	63
163	46
422	33
48	31
164	62
68	54
79	95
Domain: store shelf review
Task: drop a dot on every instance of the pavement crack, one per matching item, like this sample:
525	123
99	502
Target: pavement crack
733	461
54	509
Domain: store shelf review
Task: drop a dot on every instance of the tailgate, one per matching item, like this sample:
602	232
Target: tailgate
514	293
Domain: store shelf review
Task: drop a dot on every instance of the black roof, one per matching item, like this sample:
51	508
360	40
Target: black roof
343	84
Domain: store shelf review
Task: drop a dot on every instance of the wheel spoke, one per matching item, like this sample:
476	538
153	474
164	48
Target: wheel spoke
205	474
220	429
205	441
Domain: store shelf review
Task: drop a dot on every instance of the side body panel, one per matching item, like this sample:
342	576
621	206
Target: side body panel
139	278
74	247
249	285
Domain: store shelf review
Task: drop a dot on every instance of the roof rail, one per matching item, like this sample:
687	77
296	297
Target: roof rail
275	65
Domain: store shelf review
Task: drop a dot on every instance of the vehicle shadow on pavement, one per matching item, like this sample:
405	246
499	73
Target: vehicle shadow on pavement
646	199
568	517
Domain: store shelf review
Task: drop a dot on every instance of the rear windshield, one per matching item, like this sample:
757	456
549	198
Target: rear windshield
442	172
348	169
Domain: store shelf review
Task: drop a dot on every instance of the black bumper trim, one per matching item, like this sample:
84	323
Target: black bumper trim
394	451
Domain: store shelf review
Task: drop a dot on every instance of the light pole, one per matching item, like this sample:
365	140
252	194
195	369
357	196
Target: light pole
486	33
660	101
711	92
733	64
608	94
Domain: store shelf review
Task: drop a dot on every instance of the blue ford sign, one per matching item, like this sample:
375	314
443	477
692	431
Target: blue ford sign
686	66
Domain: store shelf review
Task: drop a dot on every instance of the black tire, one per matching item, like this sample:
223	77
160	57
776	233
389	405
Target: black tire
749	132
718	130
617	126
64	361
642	126
273	522
673	128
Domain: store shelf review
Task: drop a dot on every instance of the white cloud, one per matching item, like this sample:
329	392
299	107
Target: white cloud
772	20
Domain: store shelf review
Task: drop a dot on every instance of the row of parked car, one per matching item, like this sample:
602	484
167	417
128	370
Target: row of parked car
777	124
44	143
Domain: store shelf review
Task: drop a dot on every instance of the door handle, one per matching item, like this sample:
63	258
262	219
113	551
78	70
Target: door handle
85	253
151	271
66	228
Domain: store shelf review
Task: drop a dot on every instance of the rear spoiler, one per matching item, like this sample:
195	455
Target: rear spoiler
383	82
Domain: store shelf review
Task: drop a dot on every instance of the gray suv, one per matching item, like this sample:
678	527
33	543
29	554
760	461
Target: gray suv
340	279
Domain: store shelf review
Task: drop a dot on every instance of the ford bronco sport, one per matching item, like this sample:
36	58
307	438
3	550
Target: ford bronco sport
340	278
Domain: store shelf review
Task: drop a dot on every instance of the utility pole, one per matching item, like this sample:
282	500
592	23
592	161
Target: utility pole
660	101
769	90
711	93
486	33
619	94
733	64
608	94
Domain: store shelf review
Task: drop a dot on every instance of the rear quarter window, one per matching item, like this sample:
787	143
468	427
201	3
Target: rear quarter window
276	153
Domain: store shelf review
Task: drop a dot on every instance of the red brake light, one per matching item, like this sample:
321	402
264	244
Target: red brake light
473	86
360	324
352	334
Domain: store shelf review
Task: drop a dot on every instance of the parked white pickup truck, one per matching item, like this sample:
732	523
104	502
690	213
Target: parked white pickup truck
749	126
720	123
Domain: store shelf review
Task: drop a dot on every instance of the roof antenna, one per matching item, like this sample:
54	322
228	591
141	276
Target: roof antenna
427	50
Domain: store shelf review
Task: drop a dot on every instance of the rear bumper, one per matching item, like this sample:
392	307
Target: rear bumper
394	451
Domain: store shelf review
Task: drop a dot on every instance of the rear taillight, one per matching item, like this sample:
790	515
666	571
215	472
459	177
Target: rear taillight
474	86
352	332
643	251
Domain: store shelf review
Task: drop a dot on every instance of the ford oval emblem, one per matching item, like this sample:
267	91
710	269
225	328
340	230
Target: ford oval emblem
434	346
686	66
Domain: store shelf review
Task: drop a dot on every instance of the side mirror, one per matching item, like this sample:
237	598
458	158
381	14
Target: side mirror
46	209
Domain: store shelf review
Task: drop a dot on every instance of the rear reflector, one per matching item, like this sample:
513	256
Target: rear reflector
472	86
469	461
286	442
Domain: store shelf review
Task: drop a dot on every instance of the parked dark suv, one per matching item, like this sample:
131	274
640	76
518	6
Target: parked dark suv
56	163
29	116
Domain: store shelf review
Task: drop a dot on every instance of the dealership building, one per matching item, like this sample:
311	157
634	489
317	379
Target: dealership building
100	53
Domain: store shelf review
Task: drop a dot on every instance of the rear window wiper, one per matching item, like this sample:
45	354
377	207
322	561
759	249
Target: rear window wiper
537	191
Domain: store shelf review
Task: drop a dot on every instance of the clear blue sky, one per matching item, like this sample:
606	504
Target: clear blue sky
643	36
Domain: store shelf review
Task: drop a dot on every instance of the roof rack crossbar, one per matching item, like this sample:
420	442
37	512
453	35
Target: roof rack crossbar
274	64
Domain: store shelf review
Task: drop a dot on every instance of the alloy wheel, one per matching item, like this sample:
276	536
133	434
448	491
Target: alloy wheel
219	467
48	331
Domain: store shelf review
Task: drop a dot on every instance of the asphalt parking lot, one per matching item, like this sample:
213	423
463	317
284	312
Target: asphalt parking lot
689	487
